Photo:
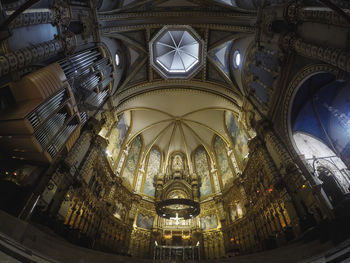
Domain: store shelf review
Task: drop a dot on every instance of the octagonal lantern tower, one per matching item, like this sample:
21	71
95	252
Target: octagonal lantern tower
176	52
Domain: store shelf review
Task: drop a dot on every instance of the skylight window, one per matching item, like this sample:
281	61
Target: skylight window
176	52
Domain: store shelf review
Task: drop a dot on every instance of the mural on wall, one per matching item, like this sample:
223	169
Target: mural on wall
209	222
118	135
202	169
152	170
132	160
177	162
119	210
238	136
223	161
235	211
144	221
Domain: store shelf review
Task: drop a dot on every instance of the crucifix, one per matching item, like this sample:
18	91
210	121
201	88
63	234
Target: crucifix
176	218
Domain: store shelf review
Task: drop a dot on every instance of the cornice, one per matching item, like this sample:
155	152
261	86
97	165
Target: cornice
110	17
222	27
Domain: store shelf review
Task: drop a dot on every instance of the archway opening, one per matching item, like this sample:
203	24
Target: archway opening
320	127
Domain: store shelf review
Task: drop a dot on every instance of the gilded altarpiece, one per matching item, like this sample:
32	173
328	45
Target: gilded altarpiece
212	237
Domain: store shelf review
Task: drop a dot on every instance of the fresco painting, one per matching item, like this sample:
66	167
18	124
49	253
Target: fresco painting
132	160
223	161
119	210
238	136
118	135
144	221
152	170
202	169
209	222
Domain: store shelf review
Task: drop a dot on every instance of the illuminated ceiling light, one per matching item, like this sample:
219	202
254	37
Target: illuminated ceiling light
237	59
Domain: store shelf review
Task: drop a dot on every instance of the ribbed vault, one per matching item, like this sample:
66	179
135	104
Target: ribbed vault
174	121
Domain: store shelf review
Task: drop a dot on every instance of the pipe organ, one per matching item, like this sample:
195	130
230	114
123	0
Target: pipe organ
44	118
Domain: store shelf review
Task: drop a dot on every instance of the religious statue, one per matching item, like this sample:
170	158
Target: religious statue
177	164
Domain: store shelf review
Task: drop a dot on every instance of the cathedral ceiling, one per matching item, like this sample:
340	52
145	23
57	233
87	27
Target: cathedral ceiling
177	114
172	120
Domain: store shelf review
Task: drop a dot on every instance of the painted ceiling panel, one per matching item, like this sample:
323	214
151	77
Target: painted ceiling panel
146	118
177	143
210	119
192	140
153	134
164	139
204	135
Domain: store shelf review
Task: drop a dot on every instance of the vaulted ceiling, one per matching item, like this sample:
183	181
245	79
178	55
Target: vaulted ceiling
178	114
174	121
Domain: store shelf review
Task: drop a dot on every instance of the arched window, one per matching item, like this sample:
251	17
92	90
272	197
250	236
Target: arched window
321	108
320	127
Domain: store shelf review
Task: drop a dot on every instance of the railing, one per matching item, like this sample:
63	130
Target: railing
177	253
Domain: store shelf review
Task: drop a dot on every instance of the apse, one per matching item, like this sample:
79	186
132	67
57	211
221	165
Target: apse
174	130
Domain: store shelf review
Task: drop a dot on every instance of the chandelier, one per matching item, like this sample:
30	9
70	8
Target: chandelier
178	208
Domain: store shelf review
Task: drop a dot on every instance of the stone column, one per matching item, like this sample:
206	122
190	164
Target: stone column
334	56
21	58
295	13
32	18
79	148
